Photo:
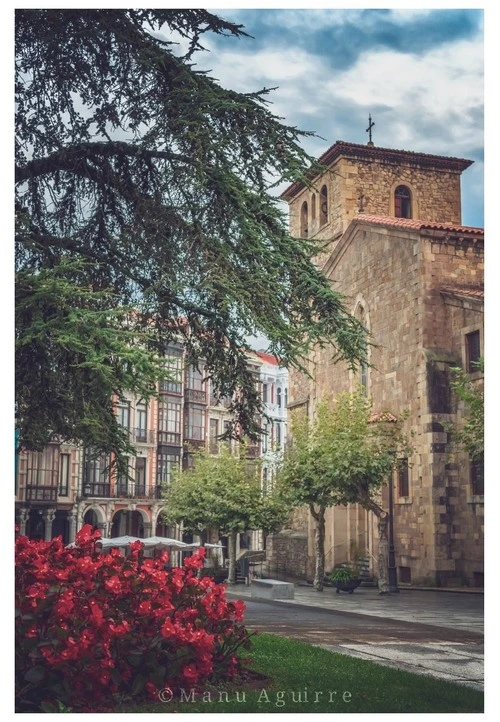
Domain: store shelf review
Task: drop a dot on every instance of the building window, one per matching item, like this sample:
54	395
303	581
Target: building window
403	479
265	437
213	436
323	206
286	398
477	476
278	397
264	393
278	434
123	414
140	476
173	370
195	424
304	230
313	207
195	379
402	202
141	421
169	422
472	350
64	471
122	482
96	474
166	464
363	367
405	575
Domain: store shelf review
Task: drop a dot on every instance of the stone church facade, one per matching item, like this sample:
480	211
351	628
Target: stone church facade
395	248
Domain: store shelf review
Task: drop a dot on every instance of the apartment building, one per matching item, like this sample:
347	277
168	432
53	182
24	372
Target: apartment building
63	487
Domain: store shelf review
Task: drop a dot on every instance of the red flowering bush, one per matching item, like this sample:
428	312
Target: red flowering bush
92	627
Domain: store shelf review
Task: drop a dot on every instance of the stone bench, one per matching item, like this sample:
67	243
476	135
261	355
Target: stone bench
271	589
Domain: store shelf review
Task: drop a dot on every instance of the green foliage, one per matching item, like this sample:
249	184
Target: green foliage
470	437
134	163
77	350
295	667
341	574
344	456
222	492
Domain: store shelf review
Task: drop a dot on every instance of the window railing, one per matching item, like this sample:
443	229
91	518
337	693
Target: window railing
169	438
96	489
194	444
41	493
252	451
196	395
143	436
171	387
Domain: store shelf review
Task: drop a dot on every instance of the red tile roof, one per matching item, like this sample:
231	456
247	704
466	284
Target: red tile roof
467	291
417	224
383	416
267	358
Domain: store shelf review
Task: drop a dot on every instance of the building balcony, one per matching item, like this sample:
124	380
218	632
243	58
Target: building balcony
37	493
100	489
252	452
169	438
220	403
195	396
142	436
171	387
139	492
194	444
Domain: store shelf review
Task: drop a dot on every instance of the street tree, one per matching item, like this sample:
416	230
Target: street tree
223	493
470	436
144	190
344	456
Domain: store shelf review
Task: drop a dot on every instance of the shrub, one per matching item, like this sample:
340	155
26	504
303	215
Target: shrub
94	628
341	574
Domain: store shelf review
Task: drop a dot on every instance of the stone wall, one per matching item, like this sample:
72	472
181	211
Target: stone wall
286	554
397	276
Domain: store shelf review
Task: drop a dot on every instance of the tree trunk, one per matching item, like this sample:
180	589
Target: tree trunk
203	541
383	544
319	543
383	554
231	576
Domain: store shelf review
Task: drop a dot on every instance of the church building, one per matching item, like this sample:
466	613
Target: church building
395	247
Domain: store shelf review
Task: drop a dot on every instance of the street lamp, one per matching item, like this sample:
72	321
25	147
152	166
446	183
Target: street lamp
393	577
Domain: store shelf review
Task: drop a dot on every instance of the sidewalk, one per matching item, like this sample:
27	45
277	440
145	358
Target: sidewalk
460	661
453	610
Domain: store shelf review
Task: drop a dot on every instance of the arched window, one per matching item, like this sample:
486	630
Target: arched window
323	206
313	207
363	368
278	397
402	202
304	220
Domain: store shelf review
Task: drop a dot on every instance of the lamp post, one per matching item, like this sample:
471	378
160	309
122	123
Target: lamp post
393	577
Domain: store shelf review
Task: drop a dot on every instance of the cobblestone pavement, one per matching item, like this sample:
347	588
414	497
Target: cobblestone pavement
436	633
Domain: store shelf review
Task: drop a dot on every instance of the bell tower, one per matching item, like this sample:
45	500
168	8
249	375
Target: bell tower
376	181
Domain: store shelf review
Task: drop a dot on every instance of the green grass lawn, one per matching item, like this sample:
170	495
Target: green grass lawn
303	678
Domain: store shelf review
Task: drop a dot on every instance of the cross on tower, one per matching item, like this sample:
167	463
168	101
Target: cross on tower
369	129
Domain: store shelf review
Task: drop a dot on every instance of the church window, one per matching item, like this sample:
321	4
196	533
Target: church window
313	207
323	206
477	476
473	350
304	220
402	202
403	479
363	367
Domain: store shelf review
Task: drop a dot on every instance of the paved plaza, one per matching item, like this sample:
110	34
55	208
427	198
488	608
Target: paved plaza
435	633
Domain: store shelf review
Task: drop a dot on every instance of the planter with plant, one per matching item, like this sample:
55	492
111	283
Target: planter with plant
344	579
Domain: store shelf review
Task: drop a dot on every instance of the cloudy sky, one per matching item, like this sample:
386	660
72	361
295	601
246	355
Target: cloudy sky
418	72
